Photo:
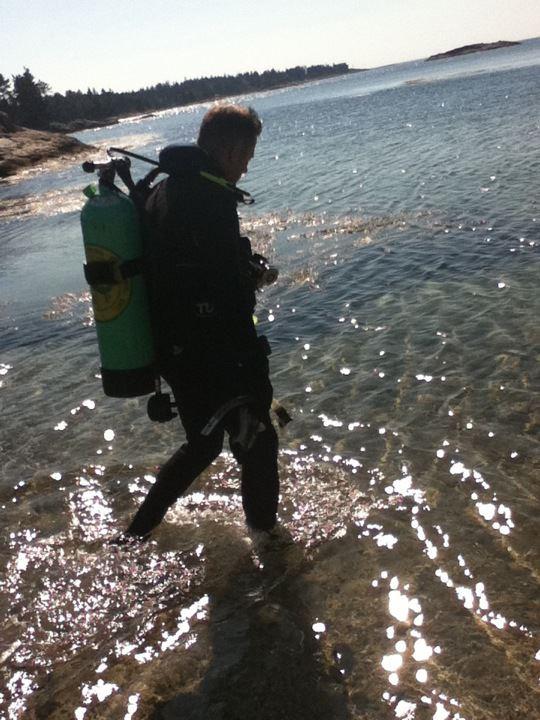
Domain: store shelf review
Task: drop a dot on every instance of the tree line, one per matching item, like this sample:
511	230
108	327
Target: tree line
30	102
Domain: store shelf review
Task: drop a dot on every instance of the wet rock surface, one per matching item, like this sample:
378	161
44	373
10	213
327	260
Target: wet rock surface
265	660
22	148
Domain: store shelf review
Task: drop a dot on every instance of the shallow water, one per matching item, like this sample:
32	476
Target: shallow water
401	208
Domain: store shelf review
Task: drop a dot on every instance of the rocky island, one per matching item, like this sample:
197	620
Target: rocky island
478	47
21	147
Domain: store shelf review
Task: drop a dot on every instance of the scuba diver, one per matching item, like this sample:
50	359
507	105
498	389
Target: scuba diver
202	277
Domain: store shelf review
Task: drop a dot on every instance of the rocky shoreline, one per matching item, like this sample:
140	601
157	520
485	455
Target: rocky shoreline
478	47
21	148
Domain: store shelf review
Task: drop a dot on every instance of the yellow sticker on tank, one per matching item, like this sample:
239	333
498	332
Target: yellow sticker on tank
108	301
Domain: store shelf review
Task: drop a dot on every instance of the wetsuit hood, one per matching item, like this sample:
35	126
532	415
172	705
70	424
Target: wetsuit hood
184	161
190	161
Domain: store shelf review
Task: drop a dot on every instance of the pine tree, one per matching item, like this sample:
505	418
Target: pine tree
29	102
5	94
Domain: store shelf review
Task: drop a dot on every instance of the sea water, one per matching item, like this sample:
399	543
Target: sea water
401	206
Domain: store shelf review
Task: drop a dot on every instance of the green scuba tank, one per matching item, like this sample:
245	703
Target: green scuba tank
113	247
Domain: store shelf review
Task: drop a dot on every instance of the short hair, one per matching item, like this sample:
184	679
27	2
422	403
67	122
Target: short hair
226	125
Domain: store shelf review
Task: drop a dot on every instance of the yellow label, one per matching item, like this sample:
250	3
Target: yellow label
108	300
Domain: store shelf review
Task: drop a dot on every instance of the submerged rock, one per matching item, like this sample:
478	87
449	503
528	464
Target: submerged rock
21	147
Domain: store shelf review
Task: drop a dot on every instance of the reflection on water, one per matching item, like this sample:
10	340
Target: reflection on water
408	586
54	202
396	575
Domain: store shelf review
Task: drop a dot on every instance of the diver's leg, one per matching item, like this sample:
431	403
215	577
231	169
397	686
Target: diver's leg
174	478
195	405
260	480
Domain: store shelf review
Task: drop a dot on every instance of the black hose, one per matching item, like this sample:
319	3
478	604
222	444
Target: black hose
133	155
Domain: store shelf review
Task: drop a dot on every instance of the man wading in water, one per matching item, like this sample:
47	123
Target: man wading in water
202	282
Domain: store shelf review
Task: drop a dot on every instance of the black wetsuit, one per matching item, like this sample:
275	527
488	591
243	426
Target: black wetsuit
202	291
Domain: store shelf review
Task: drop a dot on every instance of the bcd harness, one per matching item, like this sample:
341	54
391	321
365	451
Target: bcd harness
111	272
114	280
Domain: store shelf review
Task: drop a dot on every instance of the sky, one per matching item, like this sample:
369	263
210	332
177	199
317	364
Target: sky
130	44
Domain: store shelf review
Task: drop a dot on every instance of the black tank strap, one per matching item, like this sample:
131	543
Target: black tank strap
108	272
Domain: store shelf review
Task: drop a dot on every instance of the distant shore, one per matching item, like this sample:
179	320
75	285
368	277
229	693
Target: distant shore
82	124
478	47
22	147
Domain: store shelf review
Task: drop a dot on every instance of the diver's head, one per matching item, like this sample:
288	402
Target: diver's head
228	134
